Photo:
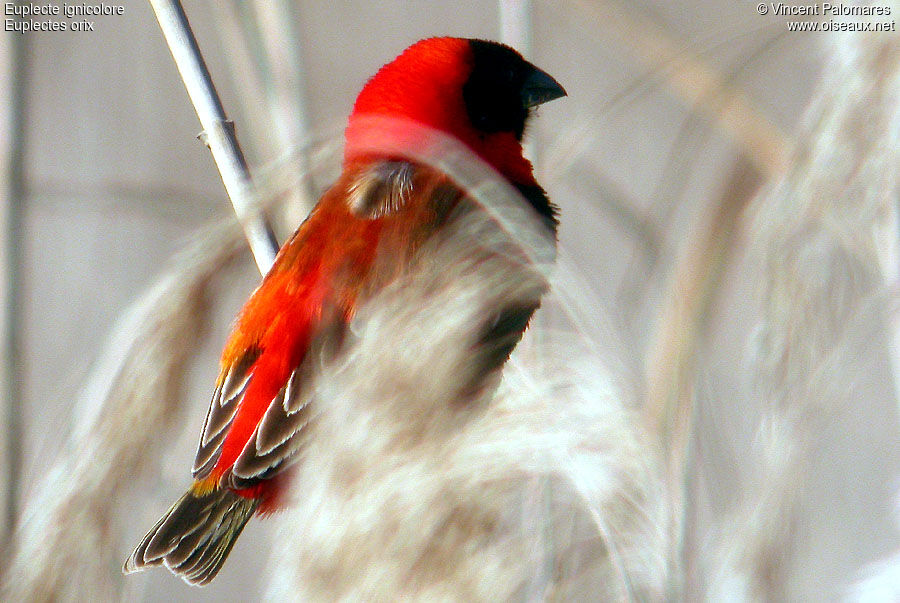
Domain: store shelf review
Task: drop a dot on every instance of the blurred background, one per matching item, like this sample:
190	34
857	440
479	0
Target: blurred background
727	204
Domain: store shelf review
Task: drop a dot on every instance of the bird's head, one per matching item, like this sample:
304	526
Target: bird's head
479	92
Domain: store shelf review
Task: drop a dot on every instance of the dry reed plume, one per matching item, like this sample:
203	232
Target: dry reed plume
815	233
66	546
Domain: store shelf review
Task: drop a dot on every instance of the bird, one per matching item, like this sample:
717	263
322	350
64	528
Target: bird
364	231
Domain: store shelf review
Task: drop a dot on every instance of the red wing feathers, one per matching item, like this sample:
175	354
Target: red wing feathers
262	403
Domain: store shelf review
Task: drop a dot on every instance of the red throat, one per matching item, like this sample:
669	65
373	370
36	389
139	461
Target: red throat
424	85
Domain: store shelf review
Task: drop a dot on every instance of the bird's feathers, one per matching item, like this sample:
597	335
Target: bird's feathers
195	536
222	408
382	189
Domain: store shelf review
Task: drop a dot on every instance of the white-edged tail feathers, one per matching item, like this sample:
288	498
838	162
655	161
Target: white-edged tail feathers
195	536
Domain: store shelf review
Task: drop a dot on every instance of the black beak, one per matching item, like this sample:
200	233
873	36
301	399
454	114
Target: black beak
540	88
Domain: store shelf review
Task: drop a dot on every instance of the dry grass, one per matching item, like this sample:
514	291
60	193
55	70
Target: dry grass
823	298
408	489
66	545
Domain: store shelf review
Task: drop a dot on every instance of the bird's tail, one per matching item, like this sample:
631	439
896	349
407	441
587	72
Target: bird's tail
195	536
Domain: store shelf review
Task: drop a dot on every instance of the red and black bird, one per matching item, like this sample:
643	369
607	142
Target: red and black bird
363	232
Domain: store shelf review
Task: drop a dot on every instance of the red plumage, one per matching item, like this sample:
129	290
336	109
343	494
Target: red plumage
362	234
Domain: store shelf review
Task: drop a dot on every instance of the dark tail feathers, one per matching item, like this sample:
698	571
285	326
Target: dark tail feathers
195	536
